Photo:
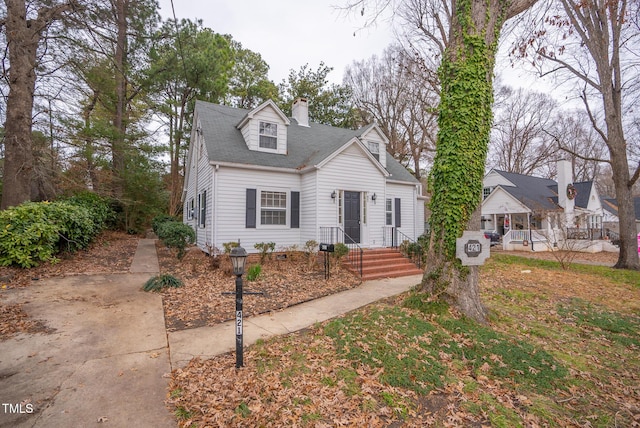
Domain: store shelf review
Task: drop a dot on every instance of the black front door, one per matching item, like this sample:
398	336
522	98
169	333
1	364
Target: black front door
352	217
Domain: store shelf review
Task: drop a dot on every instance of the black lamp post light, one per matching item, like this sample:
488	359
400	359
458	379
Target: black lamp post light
238	257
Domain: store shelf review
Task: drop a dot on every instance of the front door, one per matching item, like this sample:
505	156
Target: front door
352	217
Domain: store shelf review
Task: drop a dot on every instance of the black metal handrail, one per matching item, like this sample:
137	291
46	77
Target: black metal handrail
334	235
394	238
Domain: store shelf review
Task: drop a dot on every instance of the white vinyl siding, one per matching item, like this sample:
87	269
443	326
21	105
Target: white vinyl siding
231	214
309	200
409	209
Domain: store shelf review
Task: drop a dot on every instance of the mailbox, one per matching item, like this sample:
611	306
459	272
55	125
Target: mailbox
327	248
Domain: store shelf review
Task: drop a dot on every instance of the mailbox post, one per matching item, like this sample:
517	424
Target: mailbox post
326	248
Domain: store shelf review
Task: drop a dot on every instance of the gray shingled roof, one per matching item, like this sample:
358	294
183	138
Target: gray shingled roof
535	192
542	193
307	146
611	205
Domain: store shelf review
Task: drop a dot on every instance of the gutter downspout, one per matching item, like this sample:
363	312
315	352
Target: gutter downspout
214	201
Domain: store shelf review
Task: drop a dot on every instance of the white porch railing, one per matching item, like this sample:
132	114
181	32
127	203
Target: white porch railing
523	235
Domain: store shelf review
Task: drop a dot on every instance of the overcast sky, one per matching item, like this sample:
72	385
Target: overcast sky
288	33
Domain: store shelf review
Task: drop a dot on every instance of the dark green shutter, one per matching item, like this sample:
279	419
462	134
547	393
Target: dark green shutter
250	221
295	210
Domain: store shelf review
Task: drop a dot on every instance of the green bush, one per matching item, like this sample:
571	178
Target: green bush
75	225
157	283
161	219
101	208
176	235
340	250
254	272
26	236
35	232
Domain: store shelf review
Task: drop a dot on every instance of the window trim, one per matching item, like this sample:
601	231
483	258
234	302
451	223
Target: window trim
388	210
262	125
190	208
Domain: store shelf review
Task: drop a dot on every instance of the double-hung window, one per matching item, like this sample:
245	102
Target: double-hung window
389	212
190	209
486	192
374	148
273	208
202	209
268	135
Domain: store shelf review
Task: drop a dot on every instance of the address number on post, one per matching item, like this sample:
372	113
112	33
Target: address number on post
473	248
238	323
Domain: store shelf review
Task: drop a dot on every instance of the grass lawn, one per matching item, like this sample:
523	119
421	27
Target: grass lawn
562	349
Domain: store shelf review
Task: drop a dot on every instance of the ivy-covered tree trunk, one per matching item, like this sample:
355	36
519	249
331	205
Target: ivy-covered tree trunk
464	124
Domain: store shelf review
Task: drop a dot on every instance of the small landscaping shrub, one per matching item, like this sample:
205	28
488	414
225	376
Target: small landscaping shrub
157	283
311	252
176	235
254	272
228	246
340	250
265	248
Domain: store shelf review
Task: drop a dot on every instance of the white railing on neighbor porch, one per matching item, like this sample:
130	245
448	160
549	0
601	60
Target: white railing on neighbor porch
524	235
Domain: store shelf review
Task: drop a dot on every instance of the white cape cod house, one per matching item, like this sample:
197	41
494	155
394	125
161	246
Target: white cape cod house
259	176
539	214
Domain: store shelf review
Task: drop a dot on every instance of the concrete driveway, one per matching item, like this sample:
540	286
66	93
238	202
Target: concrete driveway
104	359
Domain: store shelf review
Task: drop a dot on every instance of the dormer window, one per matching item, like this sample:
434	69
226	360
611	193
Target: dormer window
486	192
268	135
374	148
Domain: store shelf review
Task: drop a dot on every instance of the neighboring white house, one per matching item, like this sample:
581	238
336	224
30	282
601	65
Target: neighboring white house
259	176
612	221
536	213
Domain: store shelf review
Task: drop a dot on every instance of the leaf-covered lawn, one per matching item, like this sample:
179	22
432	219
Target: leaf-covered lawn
562	349
201	300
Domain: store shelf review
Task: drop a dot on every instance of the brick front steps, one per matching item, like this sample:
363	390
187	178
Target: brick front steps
385	263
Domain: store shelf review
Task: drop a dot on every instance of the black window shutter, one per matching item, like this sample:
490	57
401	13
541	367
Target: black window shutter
295	210
250	221
398	215
203	214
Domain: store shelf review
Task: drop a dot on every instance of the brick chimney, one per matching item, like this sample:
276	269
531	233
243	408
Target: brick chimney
300	111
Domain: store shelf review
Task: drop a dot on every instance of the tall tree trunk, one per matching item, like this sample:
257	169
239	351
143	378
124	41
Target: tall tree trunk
22	42
464	124
23	38
119	120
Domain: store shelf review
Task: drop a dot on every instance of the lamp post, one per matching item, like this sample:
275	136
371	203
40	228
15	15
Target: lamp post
238	257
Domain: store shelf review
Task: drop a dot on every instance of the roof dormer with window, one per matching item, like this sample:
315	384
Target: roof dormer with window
374	140
264	129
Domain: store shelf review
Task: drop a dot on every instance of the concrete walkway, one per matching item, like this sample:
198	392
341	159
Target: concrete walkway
107	356
104	360
209	341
